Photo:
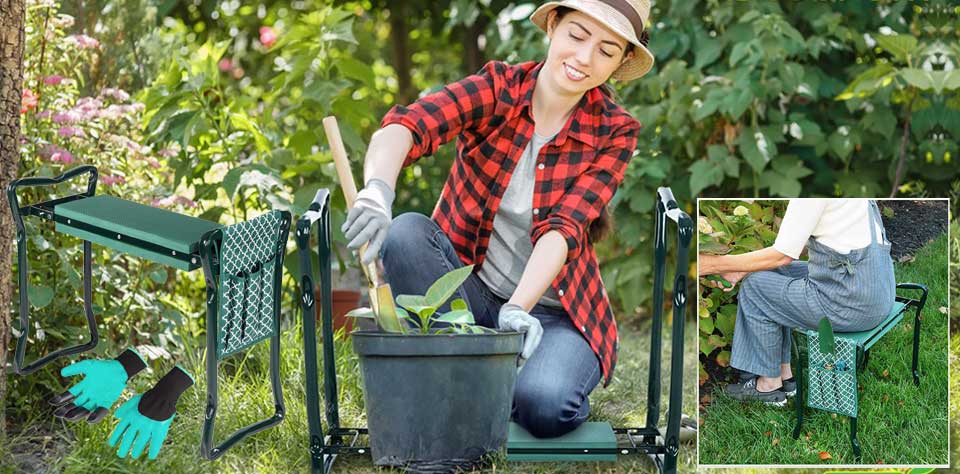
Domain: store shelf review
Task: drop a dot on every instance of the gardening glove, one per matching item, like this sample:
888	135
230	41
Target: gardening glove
102	384
514	318
369	219
146	418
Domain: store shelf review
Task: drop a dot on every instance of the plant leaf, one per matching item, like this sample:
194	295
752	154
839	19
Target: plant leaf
363	312
900	46
40	296
458	303
413	303
459	316
442	289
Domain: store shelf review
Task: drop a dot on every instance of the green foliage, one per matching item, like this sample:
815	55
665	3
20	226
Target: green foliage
729	227
424	307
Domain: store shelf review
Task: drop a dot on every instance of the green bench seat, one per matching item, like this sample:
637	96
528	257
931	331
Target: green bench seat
868	338
156	234
589	435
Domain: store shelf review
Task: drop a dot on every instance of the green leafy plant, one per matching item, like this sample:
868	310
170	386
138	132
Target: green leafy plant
729	227
424	307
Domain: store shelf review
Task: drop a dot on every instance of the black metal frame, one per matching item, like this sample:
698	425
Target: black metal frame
209	257
863	355
326	446
45	210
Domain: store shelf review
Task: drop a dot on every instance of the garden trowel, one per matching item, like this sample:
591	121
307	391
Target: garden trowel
381	297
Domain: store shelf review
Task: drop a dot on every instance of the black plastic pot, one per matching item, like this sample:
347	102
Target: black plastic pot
437	397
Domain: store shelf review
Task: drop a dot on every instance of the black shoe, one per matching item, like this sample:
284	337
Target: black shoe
747	392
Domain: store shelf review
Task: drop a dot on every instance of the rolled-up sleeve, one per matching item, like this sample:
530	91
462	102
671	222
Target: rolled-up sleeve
438	117
582	203
799	221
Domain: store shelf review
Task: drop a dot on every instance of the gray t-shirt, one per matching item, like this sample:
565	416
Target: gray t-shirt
510	246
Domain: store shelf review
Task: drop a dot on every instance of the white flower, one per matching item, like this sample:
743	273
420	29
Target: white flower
741	211
704	226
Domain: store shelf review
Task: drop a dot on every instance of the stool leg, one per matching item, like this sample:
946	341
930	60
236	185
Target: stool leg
853	437
23	272
866	359
798	398
916	348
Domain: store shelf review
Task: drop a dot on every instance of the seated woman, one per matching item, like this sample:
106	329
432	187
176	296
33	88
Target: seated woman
848	278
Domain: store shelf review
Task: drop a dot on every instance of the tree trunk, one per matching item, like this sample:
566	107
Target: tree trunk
399	35
473	56
11	84
898	177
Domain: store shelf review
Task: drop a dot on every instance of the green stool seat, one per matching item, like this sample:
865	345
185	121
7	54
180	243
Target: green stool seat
588	436
868	338
170	238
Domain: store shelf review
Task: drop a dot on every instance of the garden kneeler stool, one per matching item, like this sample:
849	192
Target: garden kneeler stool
832	376
590	442
242	268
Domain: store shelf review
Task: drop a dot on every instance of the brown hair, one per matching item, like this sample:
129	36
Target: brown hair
603	224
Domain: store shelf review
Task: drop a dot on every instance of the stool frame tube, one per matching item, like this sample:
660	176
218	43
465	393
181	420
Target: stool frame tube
45	211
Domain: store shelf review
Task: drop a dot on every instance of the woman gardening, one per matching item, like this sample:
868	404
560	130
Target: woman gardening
848	278
541	150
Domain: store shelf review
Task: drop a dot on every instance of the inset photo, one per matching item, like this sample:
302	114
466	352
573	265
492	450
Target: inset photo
823	332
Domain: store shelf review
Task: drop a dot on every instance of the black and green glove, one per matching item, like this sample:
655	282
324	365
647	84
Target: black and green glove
145	419
103	383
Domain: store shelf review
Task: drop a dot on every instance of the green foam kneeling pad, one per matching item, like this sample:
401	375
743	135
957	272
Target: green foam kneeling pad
589	435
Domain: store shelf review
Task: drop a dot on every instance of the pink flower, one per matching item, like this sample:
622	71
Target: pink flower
28	100
109	180
225	65
172	200
82	41
55	153
168	152
69	116
267	36
154	163
115	93
63	21
68	131
53	80
43	114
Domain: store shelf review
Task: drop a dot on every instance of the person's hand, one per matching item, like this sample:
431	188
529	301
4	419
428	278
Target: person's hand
726	281
369	219
514	318
103	383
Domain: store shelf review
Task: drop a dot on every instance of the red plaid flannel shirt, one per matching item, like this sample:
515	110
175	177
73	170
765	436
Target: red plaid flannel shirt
577	175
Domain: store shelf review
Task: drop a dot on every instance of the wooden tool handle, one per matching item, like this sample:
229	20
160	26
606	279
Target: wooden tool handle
347	183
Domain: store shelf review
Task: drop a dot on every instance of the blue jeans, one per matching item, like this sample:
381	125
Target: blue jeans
551	397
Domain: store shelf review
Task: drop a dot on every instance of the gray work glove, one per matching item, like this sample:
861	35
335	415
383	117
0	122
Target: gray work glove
514	318
369	219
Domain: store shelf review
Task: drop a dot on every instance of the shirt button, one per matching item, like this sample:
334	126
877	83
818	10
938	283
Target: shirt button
583	328
536	211
540	166
560	292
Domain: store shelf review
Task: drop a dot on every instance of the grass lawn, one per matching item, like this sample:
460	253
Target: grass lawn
245	397
898	422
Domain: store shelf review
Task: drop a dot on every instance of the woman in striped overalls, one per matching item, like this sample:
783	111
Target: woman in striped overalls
848	278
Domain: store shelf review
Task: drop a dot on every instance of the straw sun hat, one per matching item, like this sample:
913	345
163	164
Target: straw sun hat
628	18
